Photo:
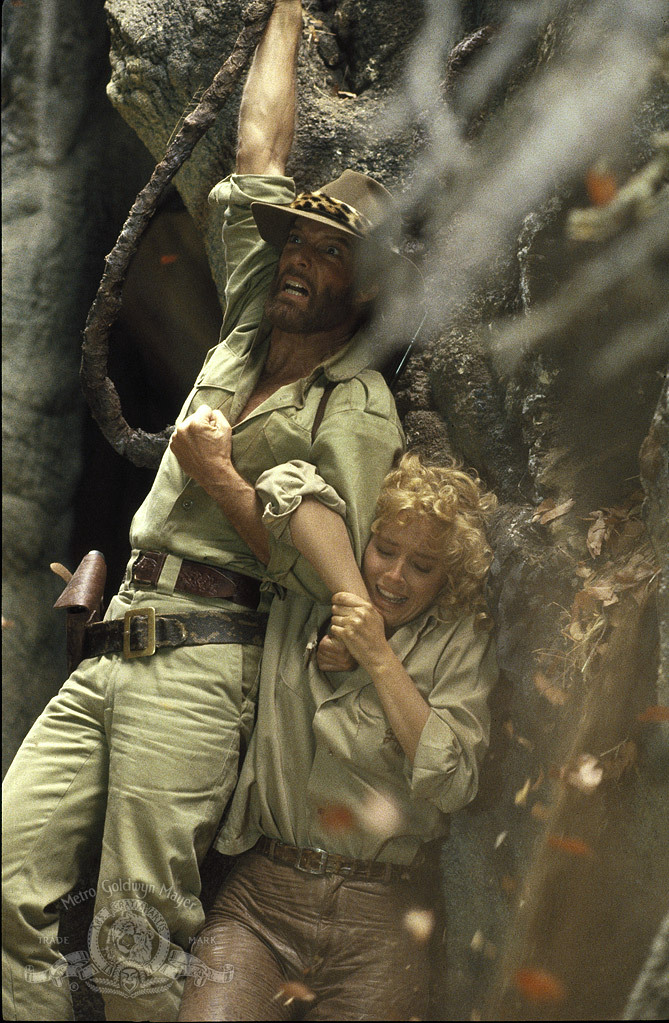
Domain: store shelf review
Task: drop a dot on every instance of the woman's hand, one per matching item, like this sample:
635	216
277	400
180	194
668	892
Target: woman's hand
332	655
361	628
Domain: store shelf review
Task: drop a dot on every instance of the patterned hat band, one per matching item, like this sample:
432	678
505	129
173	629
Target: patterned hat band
333	209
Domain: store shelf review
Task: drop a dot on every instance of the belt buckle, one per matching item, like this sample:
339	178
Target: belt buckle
140	612
320	867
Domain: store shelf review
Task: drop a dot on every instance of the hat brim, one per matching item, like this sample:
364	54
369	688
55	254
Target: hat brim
273	222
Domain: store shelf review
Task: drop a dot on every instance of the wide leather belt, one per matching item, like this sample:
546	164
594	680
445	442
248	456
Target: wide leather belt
141	631
199	580
318	861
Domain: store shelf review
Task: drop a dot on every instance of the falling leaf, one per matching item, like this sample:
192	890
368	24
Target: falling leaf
554	695
601	186
658	713
521	795
584	774
500	838
170	257
420	924
7	623
380	815
294	991
540	811
477	942
539	986
617	761
573	846
509	884
336	818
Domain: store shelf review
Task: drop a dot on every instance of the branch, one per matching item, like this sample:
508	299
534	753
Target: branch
141	448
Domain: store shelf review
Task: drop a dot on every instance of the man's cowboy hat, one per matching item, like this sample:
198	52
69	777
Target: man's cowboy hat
355	204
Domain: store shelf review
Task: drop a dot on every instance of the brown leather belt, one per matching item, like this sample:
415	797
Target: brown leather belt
199	580
318	861
141	631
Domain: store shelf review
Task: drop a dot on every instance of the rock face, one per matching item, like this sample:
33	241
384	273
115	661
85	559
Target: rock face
69	169
522	143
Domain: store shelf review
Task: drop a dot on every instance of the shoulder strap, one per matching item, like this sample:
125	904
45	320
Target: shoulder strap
320	411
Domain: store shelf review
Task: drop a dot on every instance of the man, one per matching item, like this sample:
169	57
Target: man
141	746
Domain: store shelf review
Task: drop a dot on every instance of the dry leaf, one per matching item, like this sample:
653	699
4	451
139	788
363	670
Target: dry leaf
509	884
381	816
293	991
659	713
584	774
420	924
477	942
620	759
546	505
521	795
500	838
554	695
7	623
539	986
597	535
540	811
168	258
601	186
573	846
557	512
335	818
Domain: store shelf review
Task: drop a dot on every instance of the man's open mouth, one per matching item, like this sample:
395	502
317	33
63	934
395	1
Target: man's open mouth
294	287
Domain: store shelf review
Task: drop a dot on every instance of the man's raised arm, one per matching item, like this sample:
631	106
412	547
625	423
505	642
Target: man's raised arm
267	112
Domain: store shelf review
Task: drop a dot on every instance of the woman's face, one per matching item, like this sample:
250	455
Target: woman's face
403	570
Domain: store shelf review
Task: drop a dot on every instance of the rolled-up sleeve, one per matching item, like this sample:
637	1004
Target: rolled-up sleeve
353	450
446	765
283	488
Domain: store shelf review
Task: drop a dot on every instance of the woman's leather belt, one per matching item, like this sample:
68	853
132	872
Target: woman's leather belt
318	861
141	631
199	580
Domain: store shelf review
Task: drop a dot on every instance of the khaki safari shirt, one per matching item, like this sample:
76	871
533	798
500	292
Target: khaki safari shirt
355	443
324	769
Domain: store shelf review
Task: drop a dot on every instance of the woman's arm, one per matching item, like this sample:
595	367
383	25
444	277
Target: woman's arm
361	628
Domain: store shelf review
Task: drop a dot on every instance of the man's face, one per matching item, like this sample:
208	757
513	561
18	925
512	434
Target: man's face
312	290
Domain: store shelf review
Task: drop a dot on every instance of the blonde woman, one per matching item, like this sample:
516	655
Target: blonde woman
351	772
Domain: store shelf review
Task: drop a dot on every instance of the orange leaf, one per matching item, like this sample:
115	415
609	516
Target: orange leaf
293	991
601	186
659	713
335	818
554	695
573	846
539	986
170	257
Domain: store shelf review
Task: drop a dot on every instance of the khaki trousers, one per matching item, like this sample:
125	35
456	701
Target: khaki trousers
142	754
345	940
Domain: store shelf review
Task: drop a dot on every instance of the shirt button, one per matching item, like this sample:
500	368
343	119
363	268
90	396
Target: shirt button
187	504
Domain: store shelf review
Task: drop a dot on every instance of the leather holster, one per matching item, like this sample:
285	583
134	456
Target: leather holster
82	597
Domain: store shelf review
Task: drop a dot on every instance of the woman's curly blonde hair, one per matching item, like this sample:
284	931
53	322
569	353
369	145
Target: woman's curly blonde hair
458	505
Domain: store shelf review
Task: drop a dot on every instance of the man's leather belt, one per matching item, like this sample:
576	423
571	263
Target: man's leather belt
141	631
198	579
318	861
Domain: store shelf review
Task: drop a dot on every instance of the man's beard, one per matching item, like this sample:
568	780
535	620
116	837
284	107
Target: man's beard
322	312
